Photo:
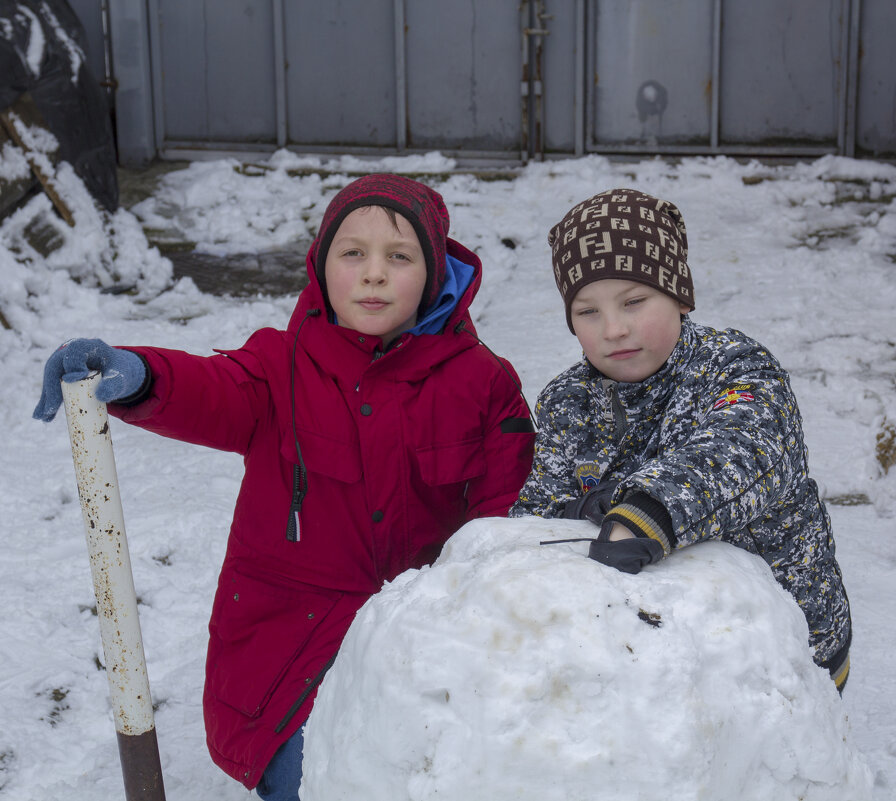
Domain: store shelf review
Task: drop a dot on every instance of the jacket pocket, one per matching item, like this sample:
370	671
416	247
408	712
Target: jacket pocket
322	454
453	462
260	629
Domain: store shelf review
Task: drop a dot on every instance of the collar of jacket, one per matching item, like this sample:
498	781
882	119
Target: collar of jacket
348	356
642	396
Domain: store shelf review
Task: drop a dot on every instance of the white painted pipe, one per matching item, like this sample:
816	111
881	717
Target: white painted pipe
113	583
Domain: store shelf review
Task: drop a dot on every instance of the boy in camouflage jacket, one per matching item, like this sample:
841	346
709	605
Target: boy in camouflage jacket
669	433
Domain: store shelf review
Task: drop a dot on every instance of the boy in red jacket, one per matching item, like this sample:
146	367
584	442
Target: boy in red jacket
371	429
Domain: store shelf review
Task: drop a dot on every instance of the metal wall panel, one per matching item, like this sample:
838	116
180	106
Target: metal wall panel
780	71
217	70
463	74
650	72
341	80
563	71
876	124
135	109
776	77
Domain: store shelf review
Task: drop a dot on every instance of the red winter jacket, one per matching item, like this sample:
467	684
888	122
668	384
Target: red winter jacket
401	450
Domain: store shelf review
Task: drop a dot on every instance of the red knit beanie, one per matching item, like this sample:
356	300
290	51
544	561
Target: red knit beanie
421	206
622	233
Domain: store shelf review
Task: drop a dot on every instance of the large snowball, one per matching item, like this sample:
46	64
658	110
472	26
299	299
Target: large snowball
513	670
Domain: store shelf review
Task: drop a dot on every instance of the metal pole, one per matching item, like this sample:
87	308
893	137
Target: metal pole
113	583
539	32
850	122
525	80
579	92
280	71
151	10
716	74
592	112
401	87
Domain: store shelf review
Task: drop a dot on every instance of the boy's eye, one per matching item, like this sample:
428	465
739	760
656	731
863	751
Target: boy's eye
634	301
583	312
351	252
400	256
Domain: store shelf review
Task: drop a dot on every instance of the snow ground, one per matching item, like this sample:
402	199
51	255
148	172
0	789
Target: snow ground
801	256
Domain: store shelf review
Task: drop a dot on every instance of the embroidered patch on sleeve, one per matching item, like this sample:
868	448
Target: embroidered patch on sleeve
739	393
588	476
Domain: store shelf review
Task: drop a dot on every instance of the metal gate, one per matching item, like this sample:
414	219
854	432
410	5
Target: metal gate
510	79
707	75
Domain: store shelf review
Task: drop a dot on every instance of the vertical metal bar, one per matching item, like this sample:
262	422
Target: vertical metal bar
108	82
590	61
716	74
155	57
579	90
113	583
538	33
525	80
842	63
852	79
279	33
401	90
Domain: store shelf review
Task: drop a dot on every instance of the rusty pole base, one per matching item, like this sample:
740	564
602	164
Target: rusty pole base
143	776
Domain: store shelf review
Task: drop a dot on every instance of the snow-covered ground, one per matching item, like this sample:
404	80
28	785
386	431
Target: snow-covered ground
802	257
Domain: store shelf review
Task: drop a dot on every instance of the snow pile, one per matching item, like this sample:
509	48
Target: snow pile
882	491
513	670
228	207
39	250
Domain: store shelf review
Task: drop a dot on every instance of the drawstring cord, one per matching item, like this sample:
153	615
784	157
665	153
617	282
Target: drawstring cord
300	474
574	539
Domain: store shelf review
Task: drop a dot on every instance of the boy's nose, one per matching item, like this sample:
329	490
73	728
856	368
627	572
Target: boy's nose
374	273
614	327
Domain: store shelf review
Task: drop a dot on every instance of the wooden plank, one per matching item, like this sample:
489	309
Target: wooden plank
8	120
13	192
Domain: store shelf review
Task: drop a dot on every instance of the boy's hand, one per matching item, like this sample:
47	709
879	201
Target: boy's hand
633	534
620	547
593	505
629	555
616	532
124	373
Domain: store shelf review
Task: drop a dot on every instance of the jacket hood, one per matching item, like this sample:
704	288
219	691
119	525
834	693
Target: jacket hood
417	203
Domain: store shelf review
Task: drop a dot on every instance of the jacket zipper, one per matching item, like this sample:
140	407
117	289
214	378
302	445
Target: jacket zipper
308	690
377	354
616	413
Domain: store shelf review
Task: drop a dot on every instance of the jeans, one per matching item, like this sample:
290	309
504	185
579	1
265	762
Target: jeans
283	775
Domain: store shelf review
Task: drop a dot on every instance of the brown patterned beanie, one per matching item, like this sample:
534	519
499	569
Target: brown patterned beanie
622	233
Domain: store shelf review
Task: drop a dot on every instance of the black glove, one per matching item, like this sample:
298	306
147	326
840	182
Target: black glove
644	517
593	505
629	555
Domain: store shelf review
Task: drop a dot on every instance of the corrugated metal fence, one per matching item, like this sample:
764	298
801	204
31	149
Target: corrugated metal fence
499	78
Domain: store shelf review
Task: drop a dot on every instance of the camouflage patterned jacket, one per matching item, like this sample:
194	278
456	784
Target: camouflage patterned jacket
716	437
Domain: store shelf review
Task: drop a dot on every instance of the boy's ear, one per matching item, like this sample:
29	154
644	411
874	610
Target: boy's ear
683	308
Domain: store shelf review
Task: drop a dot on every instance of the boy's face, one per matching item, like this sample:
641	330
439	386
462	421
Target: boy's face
627	329
375	273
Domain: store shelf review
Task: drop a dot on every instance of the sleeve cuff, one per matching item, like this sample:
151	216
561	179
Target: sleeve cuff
644	517
136	398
